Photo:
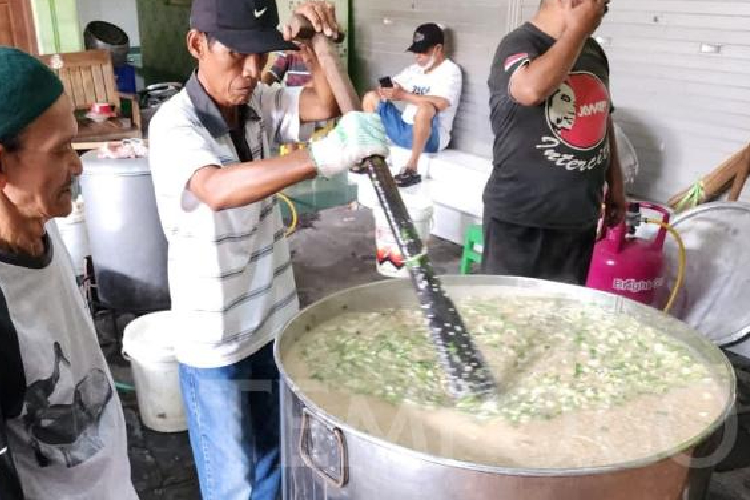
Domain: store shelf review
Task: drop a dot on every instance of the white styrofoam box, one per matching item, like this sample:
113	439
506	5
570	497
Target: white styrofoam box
455	184
451	224
452	165
464	196
459	180
366	193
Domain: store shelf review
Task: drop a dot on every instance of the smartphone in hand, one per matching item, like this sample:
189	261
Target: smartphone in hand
386	82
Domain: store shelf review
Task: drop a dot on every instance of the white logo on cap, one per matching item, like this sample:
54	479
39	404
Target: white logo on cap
259	13
419	37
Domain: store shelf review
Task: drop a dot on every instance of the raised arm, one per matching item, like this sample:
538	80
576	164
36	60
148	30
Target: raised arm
534	82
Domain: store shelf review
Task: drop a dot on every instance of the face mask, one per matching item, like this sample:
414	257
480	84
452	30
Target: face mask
429	64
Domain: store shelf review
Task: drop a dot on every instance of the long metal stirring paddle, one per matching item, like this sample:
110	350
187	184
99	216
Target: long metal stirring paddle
465	366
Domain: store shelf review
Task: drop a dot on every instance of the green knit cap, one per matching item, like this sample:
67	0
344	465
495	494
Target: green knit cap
28	88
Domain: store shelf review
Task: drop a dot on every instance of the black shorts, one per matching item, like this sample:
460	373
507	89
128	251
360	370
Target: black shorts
532	252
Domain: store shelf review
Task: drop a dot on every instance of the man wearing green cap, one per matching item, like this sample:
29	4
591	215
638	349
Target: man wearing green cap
230	272
60	416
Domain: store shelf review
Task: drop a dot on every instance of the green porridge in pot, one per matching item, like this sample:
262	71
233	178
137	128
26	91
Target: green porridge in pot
579	386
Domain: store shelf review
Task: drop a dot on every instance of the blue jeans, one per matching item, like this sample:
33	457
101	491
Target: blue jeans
234	423
402	133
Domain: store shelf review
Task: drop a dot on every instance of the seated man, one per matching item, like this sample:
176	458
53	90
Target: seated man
431	89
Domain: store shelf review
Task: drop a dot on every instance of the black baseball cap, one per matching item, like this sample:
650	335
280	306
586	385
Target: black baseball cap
425	37
245	26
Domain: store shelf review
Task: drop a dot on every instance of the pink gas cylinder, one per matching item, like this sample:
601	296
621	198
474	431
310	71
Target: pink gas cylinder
629	266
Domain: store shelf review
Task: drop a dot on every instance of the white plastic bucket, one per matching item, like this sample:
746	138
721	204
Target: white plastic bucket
75	237
148	342
388	259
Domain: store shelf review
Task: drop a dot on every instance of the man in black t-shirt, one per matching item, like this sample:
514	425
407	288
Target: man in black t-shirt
554	147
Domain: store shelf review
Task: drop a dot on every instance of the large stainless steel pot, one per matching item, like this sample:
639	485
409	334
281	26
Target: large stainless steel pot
324	458
128	245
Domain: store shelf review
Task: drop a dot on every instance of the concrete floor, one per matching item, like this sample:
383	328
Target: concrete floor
331	252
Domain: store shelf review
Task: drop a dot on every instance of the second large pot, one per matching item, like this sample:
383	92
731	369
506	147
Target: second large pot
128	245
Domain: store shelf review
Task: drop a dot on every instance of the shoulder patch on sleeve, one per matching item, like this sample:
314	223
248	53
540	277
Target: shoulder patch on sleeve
516	61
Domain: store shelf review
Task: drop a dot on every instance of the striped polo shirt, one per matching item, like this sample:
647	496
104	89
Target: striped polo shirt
230	273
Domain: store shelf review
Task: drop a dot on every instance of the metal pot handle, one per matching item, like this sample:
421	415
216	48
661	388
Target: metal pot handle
334	467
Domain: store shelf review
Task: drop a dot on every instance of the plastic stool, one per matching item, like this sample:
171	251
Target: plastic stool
472	254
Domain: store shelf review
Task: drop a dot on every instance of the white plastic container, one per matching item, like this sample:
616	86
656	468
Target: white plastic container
75	236
389	261
148	344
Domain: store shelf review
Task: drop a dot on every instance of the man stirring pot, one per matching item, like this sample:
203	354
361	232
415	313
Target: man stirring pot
230	272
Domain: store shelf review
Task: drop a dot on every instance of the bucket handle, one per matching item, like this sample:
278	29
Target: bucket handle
336	436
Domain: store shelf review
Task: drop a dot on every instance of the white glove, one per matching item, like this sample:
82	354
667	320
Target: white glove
357	136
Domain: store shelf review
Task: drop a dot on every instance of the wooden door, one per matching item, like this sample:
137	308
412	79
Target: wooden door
17	25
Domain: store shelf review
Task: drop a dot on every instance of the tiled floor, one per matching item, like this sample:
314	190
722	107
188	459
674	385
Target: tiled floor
331	253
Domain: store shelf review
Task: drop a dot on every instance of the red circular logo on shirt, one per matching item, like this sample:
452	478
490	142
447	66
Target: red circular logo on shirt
578	111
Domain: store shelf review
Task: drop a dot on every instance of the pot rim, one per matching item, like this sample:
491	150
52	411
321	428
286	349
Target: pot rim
509	471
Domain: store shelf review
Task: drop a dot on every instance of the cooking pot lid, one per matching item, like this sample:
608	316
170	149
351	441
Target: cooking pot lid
716	291
108	33
93	165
